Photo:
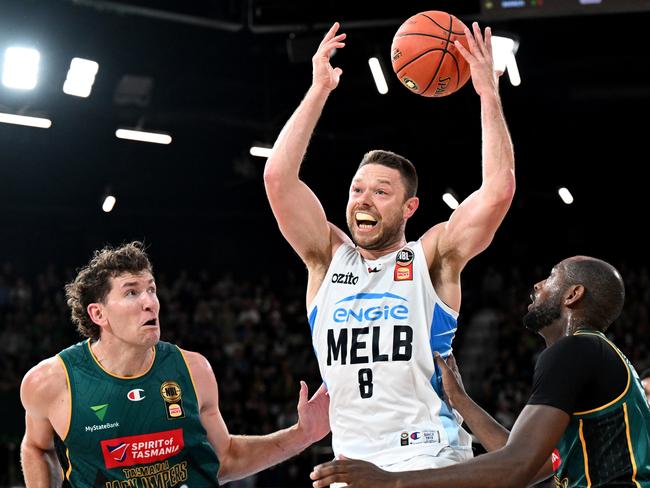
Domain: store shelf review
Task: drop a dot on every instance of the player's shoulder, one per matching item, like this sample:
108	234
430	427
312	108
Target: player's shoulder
44	381
431	244
576	347
433	234
579	341
197	362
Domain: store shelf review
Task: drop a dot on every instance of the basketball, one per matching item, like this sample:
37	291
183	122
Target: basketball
424	56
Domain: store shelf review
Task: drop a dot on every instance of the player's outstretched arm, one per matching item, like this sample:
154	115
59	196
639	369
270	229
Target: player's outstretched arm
536	432
473	224
490	433
38	459
298	211
242	456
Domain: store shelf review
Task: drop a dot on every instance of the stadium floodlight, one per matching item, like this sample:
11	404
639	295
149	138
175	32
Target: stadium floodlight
450	200
81	77
20	69
378	75
565	195
109	203
24	120
261	152
142	136
504	50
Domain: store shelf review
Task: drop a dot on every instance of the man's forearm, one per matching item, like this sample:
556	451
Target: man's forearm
498	154
291	145
500	469
249	454
490	433
41	469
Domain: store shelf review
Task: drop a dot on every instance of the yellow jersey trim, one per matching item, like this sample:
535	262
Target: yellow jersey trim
67	474
584	455
629	446
189	370
67	380
627	386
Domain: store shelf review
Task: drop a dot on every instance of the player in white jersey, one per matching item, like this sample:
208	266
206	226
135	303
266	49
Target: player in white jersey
379	306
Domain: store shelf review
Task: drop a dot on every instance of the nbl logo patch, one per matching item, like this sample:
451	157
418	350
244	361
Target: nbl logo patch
404	439
404	265
171	394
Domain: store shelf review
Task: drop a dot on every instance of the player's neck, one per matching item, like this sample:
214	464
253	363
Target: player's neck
372	254
121	360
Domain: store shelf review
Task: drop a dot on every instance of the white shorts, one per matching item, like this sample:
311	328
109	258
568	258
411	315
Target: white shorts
446	457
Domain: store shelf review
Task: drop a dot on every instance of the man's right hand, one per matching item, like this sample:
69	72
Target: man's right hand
452	383
323	74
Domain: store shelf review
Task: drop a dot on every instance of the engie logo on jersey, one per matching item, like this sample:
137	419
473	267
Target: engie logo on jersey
404	265
361	312
136	395
142	449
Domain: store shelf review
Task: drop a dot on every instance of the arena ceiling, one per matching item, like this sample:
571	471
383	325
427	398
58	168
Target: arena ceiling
222	75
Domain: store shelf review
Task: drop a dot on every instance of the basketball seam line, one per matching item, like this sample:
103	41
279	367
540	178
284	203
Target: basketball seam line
419	56
451	23
420	34
450	30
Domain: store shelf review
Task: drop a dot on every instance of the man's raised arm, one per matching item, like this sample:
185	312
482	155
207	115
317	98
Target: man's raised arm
300	216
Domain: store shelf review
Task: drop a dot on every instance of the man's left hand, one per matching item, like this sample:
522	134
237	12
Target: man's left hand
313	414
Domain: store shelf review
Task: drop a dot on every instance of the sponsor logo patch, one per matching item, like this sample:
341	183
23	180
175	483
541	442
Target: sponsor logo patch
345	279
404	439
420	437
142	449
404	265
171	394
100	411
556	460
175	410
107	425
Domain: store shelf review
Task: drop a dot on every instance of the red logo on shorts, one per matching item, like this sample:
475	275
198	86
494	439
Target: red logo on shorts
142	449
556	460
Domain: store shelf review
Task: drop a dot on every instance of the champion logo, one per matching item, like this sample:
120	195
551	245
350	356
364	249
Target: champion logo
136	395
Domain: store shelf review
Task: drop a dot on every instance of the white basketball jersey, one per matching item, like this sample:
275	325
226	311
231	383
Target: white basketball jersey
375	325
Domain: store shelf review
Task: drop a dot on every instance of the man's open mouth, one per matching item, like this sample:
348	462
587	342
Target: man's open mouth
364	220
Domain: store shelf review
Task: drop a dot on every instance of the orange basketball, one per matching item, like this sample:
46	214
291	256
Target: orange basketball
424	56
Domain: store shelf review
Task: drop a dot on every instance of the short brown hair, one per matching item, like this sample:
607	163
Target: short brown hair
395	161
92	283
